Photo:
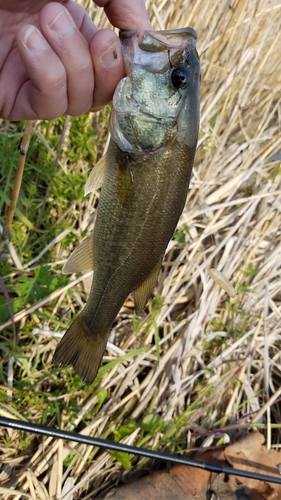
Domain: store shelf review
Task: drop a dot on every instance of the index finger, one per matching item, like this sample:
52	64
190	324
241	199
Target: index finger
126	14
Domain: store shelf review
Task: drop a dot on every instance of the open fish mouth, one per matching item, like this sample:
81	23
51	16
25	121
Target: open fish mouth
150	103
150	41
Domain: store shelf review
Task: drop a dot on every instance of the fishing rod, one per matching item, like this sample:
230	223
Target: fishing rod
134	450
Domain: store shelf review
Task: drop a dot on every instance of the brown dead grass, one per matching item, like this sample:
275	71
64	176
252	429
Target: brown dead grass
219	357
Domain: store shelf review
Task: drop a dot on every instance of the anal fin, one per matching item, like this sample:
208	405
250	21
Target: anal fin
144	291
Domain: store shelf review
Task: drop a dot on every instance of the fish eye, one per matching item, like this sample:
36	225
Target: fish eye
179	78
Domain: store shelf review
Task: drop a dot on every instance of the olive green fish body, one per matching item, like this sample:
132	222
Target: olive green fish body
148	170
139	208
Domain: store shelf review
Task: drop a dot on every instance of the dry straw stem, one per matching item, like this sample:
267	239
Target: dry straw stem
17	182
219	362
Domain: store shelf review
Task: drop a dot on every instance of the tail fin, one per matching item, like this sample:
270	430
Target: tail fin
82	349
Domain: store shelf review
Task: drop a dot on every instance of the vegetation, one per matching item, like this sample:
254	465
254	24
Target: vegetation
197	363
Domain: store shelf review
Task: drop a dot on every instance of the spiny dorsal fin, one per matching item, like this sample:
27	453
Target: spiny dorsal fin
143	292
82	258
96	176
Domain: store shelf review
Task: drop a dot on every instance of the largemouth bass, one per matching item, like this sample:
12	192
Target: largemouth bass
154	128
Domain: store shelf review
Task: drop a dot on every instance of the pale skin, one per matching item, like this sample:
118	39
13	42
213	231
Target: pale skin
55	60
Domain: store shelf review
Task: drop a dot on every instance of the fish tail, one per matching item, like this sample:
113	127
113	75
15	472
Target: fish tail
82	348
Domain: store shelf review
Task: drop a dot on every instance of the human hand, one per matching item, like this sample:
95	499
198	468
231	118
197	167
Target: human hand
55	60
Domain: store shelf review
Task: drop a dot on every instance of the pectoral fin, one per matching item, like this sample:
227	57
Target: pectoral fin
82	258
143	292
96	176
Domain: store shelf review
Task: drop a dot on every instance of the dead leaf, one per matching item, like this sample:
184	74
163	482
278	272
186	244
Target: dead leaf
181	482
189	483
165	485
250	454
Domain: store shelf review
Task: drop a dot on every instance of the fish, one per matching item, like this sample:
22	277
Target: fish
145	176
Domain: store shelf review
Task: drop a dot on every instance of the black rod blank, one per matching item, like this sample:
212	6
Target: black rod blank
142	452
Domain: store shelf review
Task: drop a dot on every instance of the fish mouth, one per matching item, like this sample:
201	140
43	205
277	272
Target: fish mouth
139	45
166	34
160	66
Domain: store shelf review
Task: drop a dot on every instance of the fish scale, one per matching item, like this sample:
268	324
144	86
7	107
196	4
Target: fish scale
136	244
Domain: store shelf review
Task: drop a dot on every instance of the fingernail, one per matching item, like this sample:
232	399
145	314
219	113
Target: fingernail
111	56
33	40
62	24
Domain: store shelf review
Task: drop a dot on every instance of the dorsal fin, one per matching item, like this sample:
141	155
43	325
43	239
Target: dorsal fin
96	176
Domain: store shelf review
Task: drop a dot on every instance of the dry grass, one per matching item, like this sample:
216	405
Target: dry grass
209	362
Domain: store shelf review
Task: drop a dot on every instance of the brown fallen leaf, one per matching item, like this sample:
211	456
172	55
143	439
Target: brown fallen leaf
178	483
250	454
181	482
189	483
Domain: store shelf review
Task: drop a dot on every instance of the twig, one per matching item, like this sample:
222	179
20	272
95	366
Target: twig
266	365
17	184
